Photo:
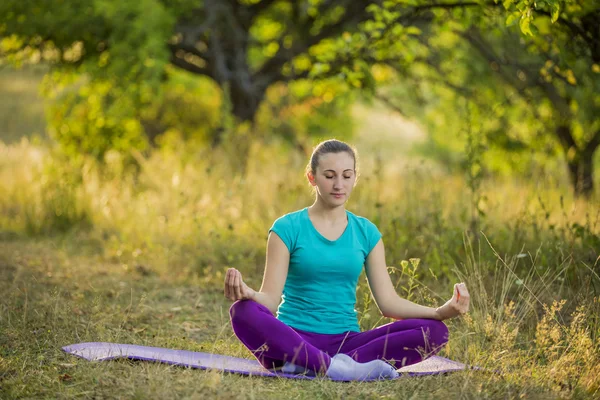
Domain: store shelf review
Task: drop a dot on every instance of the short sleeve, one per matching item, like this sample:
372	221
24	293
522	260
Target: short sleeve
373	235
283	228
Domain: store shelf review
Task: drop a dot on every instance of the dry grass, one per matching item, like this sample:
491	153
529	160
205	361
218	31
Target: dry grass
142	262
55	297
21	106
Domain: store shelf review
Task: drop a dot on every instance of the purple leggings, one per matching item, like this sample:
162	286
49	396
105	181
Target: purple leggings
273	343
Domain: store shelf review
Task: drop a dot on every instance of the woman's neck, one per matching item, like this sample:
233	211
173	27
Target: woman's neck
330	215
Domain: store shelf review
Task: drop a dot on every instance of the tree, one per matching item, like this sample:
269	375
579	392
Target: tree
551	65
558	69
244	45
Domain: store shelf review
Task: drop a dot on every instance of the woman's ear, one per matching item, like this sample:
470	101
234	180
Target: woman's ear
311	178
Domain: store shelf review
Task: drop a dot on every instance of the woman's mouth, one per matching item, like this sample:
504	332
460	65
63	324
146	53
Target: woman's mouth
337	195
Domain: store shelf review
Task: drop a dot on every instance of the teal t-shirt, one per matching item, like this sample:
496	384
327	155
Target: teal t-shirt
320	290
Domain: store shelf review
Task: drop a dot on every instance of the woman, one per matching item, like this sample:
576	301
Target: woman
314	258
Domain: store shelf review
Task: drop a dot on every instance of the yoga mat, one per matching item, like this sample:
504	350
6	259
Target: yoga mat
100	351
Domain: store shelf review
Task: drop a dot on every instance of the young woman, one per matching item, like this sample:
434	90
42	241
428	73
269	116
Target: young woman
314	258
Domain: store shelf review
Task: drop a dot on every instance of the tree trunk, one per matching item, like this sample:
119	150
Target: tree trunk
245	103
244	106
581	173
580	159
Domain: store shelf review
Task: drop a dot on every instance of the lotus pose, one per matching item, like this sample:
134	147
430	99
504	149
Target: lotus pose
302	320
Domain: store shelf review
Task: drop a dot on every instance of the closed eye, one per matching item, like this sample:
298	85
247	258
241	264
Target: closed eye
345	177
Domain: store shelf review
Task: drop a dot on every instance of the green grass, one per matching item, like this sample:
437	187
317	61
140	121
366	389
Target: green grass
91	254
54	297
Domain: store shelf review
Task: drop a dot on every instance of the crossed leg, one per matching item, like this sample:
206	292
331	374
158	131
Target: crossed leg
404	342
271	341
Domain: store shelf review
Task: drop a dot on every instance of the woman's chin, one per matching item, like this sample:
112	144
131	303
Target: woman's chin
337	203
332	202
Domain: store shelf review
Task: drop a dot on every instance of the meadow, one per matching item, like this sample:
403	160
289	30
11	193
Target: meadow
92	252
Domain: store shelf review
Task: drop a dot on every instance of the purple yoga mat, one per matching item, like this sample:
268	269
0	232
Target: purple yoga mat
100	351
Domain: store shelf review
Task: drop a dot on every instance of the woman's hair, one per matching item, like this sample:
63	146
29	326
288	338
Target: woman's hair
330	146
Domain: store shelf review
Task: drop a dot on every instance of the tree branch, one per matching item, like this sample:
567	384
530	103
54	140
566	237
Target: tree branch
355	13
485	49
190	30
185	65
390	104
271	69
450	6
593	144
566	138
585	32
188	49
574	28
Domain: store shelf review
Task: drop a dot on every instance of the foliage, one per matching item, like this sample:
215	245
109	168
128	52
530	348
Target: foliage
302	112
131	44
525	11
108	39
80	121
534	97
245	47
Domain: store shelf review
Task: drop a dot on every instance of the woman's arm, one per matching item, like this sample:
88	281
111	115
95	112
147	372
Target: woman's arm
276	269
393	306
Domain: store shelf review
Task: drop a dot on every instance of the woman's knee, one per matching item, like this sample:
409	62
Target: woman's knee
238	310
243	311
437	333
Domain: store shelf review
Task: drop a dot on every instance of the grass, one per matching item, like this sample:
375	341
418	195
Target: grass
142	262
21	106
100	253
55	297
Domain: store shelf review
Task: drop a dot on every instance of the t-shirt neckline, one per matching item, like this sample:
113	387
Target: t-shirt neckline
316	231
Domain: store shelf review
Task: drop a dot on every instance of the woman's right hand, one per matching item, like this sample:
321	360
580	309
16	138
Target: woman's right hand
235	288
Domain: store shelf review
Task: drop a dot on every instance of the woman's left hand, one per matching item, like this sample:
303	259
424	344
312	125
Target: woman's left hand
457	305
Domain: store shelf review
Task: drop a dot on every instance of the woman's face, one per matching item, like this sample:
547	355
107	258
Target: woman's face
334	178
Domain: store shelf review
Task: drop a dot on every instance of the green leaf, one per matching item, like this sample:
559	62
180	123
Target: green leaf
555	12
525	24
507	3
510	20
413	30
